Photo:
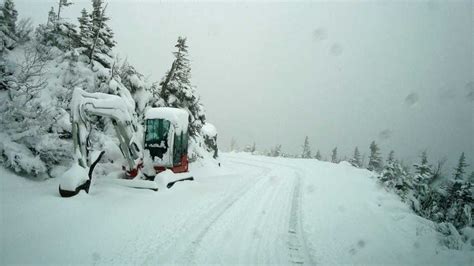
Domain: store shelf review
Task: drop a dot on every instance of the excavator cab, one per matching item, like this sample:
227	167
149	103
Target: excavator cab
156	137
166	139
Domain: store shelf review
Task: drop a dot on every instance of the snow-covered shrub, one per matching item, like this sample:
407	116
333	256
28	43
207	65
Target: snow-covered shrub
394	176
19	158
275	151
32	116
451	237
209	133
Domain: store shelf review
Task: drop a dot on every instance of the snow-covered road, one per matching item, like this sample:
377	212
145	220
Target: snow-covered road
251	210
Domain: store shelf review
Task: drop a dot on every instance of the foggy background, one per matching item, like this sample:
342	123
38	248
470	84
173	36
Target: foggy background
344	73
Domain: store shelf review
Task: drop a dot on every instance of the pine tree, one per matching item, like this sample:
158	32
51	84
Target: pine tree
437	172
306	149
334	155
459	203
135	82
393	174
356	160
176	90
10	15
391	157
375	160
423	168
8	18
85	31
318	156
102	36
460	169
421	180
52	17
57	32
62	3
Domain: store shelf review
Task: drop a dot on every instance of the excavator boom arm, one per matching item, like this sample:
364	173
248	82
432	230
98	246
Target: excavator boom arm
85	105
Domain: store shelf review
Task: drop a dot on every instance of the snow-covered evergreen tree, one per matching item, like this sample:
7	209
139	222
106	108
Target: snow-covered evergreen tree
61	4
8	19
460	202
375	160
356	159
391	157
177	91
85	38
388	174
135	82
102	36
459	171
334	158
306	149
421	181
318	156
423	173
57	32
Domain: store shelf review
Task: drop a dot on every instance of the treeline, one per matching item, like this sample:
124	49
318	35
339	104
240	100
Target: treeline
443	198
40	66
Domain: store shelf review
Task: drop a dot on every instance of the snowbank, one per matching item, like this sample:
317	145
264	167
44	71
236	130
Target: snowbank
251	210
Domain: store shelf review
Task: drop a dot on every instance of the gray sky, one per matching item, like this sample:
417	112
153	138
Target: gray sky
343	73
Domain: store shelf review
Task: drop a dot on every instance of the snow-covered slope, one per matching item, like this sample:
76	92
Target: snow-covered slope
251	210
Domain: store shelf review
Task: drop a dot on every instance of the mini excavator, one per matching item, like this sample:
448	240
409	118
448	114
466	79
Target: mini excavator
154	158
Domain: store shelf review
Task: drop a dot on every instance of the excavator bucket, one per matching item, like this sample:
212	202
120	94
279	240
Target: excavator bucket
77	178
167	178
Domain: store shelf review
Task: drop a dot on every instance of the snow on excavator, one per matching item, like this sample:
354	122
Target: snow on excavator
154	159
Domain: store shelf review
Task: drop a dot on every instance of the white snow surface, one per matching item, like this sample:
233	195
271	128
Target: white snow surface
252	209
178	117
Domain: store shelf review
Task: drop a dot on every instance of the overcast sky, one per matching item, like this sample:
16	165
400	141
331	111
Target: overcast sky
344	74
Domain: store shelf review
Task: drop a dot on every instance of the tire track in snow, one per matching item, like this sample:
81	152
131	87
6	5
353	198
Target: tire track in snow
262	223
191	250
202	224
298	245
